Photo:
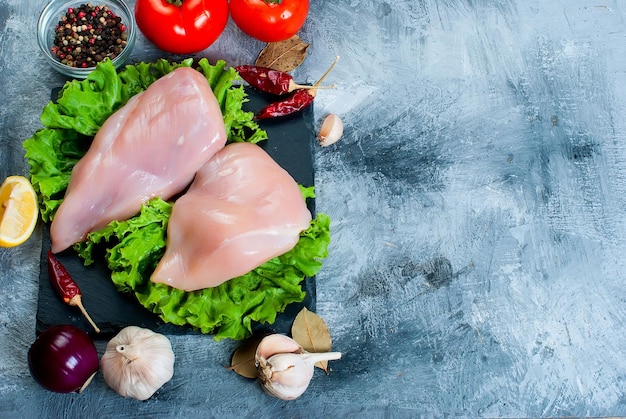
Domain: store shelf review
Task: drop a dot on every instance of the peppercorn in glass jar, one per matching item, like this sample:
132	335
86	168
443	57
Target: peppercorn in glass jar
75	36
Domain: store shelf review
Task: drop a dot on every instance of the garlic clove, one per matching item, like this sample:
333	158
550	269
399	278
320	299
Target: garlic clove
331	130
276	344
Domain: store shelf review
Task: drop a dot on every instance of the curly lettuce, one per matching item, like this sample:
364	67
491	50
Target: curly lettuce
82	106
134	247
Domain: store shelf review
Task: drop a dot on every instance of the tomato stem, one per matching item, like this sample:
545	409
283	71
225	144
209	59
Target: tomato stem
177	3
273	1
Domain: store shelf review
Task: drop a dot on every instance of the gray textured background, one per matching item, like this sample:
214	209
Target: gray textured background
478	208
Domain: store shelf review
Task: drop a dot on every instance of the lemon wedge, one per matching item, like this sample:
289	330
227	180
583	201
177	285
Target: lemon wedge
18	211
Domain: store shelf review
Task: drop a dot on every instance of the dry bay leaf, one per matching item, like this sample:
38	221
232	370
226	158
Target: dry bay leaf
311	332
284	55
243	358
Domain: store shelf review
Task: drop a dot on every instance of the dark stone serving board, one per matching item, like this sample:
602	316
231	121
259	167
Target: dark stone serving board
290	144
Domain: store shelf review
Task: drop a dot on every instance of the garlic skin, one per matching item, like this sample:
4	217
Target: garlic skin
331	130
137	362
285	369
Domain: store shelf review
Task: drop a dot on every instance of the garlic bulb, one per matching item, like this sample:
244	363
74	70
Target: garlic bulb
137	362
285	369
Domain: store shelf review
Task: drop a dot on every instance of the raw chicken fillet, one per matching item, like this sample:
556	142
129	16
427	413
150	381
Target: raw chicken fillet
151	147
241	210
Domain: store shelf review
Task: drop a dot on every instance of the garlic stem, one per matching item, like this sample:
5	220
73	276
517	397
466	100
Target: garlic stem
312	357
129	351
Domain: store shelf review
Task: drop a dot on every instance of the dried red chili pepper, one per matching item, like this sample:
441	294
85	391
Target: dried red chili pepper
266	79
66	287
297	101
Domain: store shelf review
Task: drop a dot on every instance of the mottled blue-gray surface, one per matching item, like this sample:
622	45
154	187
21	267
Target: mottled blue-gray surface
478	201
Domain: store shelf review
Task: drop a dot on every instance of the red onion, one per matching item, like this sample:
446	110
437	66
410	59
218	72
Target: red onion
63	359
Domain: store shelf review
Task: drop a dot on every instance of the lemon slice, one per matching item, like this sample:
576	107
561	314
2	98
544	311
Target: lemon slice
18	211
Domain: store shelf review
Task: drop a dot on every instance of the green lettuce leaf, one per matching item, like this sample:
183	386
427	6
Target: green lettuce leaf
52	153
82	106
134	247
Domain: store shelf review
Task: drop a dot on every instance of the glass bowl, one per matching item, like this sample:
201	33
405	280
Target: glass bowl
49	20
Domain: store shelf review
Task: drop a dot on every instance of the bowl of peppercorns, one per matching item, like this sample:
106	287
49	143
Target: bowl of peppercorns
75	36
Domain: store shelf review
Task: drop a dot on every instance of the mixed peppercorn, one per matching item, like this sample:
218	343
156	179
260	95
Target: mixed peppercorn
88	34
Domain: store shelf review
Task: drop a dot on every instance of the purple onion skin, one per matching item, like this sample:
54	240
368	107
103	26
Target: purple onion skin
63	359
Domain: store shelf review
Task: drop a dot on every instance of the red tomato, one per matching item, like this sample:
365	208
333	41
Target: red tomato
181	27
269	20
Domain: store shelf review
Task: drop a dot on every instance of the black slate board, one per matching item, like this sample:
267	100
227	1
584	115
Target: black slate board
290	141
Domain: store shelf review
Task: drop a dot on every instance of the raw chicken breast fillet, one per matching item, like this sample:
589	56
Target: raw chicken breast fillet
151	147
241	210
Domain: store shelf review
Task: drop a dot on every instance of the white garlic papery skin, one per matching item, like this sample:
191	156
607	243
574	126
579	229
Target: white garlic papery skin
137	362
286	372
